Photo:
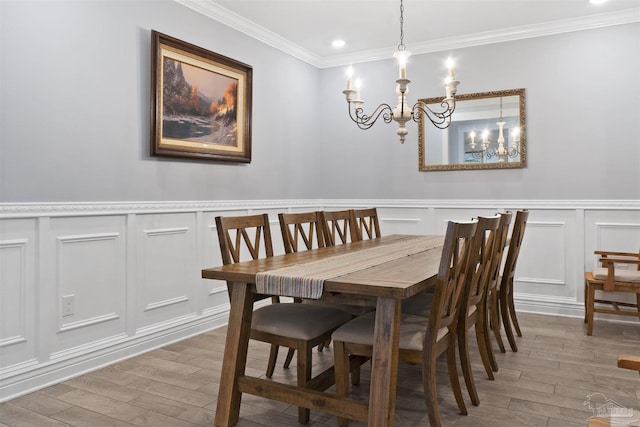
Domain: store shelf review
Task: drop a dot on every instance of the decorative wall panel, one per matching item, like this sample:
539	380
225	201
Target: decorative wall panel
167	268
17	289
87	286
133	270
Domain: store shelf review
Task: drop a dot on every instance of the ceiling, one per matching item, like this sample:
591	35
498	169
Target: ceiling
371	29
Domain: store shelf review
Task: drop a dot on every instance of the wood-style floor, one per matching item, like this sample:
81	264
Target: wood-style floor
546	383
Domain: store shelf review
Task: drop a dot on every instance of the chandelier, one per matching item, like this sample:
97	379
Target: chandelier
502	152
402	113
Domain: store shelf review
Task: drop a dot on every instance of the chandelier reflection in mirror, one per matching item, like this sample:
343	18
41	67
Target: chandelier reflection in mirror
402	113
488	150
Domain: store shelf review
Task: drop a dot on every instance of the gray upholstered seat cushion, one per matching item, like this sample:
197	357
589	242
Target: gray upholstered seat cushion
621	275
418	305
299	321
412	331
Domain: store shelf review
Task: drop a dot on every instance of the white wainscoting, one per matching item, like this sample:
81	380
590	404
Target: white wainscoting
131	271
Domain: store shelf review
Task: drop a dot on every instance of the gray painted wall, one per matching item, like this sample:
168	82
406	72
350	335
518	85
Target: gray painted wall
75	114
75	107
583	118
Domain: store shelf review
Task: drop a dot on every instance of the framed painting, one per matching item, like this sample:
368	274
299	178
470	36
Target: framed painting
200	102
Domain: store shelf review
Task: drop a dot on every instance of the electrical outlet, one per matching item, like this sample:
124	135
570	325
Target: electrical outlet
67	305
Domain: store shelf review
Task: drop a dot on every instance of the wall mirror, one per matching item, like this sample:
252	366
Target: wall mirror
487	131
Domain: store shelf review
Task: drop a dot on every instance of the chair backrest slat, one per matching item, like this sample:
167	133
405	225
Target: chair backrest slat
515	244
484	241
367	223
232	248
339	227
297	228
500	248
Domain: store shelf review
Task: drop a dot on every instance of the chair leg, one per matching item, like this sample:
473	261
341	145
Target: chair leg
494	314
638	303
484	346
453	378
324	345
341	366
512	311
355	376
429	385
273	357
585	302
304	375
465	362
591	296
506	321
287	361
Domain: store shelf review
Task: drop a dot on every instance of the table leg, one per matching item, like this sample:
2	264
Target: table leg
384	369
235	355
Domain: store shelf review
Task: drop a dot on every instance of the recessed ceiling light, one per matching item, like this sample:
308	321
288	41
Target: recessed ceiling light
597	1
338	43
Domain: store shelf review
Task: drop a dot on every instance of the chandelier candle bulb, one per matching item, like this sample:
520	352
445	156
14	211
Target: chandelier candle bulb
402	56
450	65
349	77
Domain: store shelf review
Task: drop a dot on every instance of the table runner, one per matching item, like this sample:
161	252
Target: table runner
306	280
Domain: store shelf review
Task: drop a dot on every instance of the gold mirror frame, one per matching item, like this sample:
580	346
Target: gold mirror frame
476	162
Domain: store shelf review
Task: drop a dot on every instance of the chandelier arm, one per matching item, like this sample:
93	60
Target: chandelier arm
365	121
441	120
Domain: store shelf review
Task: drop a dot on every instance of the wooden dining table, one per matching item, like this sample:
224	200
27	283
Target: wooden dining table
384	286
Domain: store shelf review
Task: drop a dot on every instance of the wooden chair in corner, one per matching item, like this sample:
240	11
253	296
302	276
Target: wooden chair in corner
300	231
422	339
339	227
610	279
505	290
297	326
367	223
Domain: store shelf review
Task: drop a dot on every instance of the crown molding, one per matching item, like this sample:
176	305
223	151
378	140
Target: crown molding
223	15
626	16
231	19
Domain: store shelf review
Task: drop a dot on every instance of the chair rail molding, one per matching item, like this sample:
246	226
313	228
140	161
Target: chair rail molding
132	295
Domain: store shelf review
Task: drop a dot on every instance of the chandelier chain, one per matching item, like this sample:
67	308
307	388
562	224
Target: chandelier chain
401	46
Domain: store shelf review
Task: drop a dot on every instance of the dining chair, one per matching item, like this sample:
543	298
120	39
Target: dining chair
612	277
473	310
299	231
422	339
297	326
339	227
492	305
367	223
505	289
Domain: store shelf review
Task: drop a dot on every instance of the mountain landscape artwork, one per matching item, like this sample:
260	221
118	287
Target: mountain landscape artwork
198	105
